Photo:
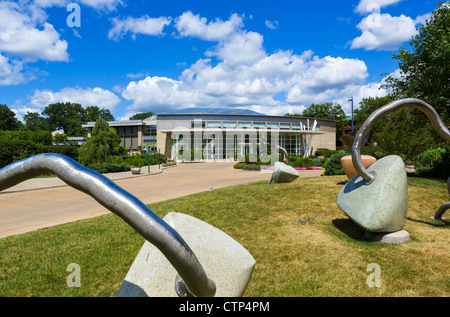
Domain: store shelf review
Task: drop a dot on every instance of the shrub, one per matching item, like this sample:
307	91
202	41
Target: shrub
251	167
324	152
333	166
109	168
434	163
37	137
239	165
303	162
14	150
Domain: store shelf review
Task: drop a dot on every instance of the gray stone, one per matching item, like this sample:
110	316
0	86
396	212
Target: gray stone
225	261
283	173
389	237
382	205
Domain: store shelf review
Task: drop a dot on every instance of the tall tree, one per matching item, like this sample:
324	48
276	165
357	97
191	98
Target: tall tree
34	121
92	113
67	117
426	68
93	150
8	120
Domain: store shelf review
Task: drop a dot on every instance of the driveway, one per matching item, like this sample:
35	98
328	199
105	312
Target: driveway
43	202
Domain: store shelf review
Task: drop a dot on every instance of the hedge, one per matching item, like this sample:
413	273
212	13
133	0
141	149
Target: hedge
14	150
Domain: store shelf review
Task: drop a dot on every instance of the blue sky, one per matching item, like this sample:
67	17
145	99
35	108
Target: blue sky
129	56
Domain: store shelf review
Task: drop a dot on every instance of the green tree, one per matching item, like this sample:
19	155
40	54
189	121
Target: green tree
426	68
369	105
141	116
34	122
92	113
67	117
93	150
8	120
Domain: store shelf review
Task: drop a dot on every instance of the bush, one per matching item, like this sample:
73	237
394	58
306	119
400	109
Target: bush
14	150
37	137
239	165
333	166
142	159
251	167
109	168
303	162
324	152
434	163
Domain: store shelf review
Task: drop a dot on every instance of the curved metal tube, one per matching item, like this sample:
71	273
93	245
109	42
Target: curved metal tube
128	207
432	115
444	207
285	153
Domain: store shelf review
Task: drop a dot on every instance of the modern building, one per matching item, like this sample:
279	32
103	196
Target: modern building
223	133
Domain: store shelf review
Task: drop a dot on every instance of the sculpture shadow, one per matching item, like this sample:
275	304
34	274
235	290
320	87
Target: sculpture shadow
445	223
350	229
128	289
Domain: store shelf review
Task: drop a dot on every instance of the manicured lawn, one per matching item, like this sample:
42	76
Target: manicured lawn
326	256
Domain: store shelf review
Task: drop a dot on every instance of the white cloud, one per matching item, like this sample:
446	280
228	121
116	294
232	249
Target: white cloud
239	73
384	32
102	5
192	25
144	25
99	5
367	6
20	35
86	97
10	72
272	25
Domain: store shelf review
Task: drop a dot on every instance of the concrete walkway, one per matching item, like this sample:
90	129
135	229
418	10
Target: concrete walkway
43	202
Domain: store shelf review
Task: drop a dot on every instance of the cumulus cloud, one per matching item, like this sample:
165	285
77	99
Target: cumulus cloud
384	32
144	25
238	73
192	25
10	72
86	97
367	6
21	36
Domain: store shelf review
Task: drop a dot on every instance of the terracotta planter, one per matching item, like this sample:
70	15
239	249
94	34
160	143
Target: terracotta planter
347	164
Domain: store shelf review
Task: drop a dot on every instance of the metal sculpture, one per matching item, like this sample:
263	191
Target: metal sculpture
444	207
376	198
285	153
432	115
128	207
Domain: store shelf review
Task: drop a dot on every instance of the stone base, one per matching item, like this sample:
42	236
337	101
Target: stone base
388	237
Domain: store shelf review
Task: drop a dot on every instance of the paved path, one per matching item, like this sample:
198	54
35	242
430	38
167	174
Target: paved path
43	202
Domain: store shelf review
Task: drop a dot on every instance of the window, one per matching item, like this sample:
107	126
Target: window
229	124
272	125
214	124
259	125
245	125
286	126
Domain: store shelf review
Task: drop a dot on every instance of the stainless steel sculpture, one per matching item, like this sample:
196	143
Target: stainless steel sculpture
285	153
376	115
128	207
444	207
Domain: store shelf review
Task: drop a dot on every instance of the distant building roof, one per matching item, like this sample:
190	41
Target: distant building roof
231	111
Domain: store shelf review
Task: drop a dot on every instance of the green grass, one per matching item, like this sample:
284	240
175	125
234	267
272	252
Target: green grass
327	256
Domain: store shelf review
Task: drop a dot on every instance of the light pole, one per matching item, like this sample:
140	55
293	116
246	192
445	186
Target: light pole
104	117
351	99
